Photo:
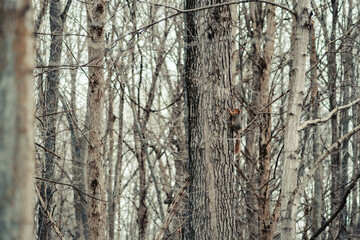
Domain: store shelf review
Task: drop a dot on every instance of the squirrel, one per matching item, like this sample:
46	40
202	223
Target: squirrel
235	126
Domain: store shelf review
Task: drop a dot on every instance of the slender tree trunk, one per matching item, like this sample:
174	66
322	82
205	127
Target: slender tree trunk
16	120
119	161
264	63
262	55
348	66
110	189
208	82
291	138
50	119
317	199
96	12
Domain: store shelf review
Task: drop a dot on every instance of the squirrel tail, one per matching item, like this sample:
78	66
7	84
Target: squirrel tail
237	144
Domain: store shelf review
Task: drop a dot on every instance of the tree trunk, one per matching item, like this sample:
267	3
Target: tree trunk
335	193
291	136
50	107
208	82
317	202
96	12
110	189
16	120
119	161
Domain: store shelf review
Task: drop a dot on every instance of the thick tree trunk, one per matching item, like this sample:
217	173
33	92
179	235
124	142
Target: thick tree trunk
97	209
207	75
16	120
291	136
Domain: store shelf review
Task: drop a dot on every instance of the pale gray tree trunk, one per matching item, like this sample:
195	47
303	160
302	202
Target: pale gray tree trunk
96	12
291	136
317	202
208	83
16	120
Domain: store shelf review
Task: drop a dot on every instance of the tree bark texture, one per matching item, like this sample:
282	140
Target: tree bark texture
96	12
208	84
291	136
16	120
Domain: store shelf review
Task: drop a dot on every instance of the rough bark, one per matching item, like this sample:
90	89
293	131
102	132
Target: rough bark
16	120
96	12
208	85
291	136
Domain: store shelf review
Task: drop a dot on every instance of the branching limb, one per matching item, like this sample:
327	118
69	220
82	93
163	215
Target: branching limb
172	210
47	214
218	5
333	147
325	119
339	208
70	185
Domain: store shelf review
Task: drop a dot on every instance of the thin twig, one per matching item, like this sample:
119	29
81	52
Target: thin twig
70	185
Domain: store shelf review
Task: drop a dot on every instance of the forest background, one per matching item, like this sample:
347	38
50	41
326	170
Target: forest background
115	123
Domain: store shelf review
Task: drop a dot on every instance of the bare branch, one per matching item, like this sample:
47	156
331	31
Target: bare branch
70	185
321	120
218	5
332	148
172	209
48	215
339	208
